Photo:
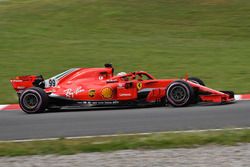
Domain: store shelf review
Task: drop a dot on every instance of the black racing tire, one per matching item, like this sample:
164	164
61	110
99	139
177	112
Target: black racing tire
196	80
230	93
179	94
33	100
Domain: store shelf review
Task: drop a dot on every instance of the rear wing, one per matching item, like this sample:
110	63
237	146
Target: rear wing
23	82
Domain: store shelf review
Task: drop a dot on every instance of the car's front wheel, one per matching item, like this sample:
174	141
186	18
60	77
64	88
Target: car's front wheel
179	93
196	80
33	100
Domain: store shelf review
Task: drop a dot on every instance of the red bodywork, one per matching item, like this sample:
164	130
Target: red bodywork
99	84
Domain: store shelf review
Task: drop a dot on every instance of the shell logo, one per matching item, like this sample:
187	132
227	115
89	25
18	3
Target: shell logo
107	93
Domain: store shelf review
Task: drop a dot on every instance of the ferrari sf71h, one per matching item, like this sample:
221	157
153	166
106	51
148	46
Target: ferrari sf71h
81	87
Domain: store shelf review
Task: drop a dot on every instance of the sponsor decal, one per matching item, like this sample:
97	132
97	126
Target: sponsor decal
139	85
100	77
20	87
70	92
120	85
79	90
107	93
16	80
53	91
125	94
92	93
98	102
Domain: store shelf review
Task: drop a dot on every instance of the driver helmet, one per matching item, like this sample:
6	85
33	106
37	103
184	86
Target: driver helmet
121	73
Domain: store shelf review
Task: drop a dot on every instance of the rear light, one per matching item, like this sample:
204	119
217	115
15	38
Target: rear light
129	85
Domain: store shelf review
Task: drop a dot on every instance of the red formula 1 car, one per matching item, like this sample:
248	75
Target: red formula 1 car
81	87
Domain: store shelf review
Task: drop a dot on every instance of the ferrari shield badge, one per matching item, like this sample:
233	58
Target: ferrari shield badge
139	85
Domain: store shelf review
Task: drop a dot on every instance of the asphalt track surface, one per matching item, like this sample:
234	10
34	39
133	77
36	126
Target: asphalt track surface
16	125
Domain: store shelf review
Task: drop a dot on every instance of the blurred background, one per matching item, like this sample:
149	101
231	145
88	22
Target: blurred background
209	39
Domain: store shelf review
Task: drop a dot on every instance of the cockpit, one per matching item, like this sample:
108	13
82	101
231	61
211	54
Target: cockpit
140	76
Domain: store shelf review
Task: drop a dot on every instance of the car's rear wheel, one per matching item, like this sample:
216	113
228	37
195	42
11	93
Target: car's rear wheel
179	94
33	100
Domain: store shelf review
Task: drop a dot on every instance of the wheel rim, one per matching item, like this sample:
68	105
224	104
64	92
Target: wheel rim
30	101
178	94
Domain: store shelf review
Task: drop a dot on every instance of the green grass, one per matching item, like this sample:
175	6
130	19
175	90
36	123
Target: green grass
168	38
104	144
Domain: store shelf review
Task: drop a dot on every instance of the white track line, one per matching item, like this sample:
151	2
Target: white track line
129	134
3	106
237	97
